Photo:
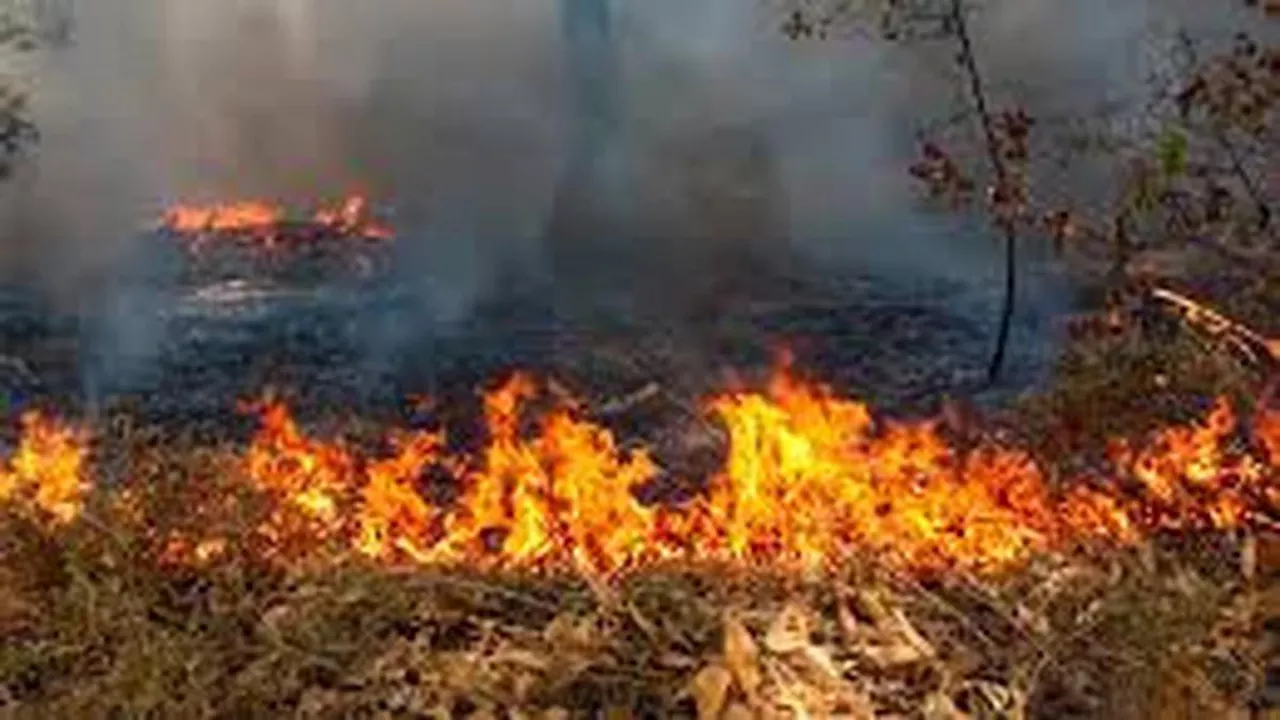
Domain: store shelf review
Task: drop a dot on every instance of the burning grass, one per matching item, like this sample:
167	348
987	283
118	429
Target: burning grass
833	563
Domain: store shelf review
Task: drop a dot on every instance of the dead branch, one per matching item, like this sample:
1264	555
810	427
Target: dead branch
1259	349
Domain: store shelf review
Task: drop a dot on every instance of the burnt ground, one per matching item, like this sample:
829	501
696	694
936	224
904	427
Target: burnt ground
180	349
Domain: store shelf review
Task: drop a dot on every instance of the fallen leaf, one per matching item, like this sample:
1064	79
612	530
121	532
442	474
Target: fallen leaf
872	606
854	705
908	634
741	656
710	690
893	655
789	631
850	630
940	707
522	658
618	712
818	662
565	633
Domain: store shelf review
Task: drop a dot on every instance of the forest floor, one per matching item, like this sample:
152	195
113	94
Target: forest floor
1181	624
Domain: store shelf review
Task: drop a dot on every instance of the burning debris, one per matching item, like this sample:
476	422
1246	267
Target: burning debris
260	221
258	238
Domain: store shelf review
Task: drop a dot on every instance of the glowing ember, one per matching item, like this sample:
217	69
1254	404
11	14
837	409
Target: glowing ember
810	480
47	472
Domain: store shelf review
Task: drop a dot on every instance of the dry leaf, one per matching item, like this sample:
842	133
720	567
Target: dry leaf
872	606
564	633
275	618
738	711
908	634
940	707
741	656
1032	620
1249	557
892	656
710	690
618	712
676	661
789	632
850	630
1268	555
901	644
522	658
998	700
854	705
818	662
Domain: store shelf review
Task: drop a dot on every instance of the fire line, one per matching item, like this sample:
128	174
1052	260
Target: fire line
810	479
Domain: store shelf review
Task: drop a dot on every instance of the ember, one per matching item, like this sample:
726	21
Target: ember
810	480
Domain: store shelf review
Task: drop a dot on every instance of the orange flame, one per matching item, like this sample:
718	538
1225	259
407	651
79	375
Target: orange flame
47	472
246	216
262	220
810	480
306	479
352	217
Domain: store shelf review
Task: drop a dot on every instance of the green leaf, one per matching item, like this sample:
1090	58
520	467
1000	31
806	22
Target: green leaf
1172	150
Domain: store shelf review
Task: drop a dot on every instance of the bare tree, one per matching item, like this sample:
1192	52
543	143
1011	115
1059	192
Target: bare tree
1192	178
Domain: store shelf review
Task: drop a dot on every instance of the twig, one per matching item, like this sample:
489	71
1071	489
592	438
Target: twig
621	405
1233	154
977	88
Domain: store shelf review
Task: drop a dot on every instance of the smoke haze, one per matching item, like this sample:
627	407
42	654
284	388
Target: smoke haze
455	113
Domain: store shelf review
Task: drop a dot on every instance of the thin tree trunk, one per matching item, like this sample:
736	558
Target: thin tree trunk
969	61
578	216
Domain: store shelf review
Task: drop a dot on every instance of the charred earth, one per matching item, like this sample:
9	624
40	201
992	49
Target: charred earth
321	314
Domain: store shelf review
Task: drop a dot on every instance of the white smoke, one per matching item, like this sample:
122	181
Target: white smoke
454	112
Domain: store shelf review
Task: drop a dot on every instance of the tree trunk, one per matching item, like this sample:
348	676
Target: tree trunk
583	220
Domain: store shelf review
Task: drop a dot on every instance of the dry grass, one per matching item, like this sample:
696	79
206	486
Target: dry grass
95	631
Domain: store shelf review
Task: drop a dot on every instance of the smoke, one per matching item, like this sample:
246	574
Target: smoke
455	113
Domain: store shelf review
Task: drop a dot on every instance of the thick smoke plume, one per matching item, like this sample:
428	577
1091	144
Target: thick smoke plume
460	115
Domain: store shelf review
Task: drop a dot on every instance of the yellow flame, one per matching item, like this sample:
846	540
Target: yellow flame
810	479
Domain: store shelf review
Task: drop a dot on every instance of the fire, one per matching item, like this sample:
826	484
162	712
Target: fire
305	478
247	217
810	480
265	221
564	494
47	472
352	217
